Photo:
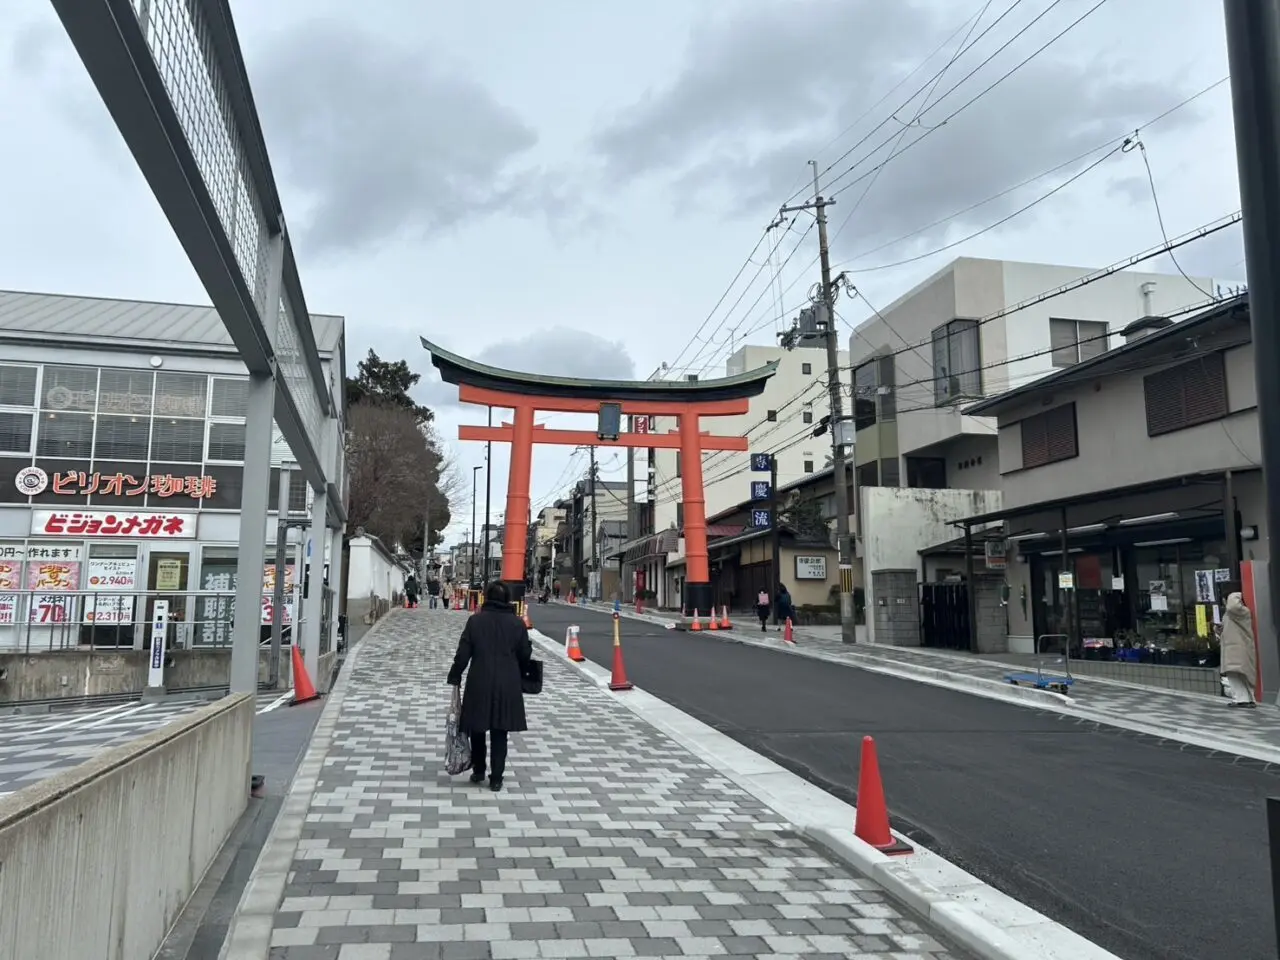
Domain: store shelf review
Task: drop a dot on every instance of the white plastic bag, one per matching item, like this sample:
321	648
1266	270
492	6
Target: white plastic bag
457	745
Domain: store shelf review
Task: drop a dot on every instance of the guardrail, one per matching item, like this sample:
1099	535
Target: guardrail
38	621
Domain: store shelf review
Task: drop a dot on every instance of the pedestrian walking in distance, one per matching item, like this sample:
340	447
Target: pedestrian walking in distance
1239	652
411	590
762	608
495	645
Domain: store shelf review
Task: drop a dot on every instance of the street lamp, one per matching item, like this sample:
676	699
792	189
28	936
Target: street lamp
471	574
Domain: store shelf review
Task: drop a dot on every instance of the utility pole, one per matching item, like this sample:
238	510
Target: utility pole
628	591
1253	55
488	491
775	535
848	632
595	522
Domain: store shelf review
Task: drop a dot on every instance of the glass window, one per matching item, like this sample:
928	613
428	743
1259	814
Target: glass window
181	441
807	414
226	442
70	388
864	396
227	488
15	432
121	438
806	368
9	467
65	435
957	365
181	395
808	467
125	392
118	483
230	398
297	491
1075	340
17	386
65	488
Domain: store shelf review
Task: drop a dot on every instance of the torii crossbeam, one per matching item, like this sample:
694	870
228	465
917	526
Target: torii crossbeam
527	394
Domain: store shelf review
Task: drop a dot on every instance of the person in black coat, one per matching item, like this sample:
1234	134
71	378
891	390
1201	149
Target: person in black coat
496	645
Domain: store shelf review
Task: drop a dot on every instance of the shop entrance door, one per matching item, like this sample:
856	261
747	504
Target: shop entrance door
944	615
167	576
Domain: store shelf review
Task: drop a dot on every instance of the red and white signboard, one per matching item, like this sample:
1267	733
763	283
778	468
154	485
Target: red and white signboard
123	524
103	576
47	580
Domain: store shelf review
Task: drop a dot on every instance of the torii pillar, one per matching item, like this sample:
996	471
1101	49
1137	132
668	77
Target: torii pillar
526	394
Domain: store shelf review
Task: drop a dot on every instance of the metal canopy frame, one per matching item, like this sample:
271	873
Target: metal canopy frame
228	238
171	74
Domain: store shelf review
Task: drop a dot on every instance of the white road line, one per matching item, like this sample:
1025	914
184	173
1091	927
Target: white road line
280	701
118	716
80	718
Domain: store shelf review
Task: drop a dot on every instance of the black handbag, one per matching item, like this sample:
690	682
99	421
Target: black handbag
531	678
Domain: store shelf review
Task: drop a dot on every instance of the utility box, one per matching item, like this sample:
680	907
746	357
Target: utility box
609	425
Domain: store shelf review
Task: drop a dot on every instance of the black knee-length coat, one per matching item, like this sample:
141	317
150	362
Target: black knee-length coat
496	645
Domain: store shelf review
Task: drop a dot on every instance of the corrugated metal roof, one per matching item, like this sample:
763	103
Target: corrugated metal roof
55	314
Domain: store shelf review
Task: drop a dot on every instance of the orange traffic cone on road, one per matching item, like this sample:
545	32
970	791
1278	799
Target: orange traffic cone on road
712	623
572	649
871	824
725	623
618	677
303	689
788	635
697	623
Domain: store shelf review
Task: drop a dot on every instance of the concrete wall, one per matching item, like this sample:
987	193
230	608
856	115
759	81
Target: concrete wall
898	522
374	580
99	860
85	673
893	617
1114	449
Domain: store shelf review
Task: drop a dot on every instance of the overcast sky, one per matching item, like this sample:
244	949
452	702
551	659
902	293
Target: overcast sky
568	186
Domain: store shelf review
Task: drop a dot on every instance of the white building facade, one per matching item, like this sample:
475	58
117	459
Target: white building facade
780	421
122	436
977	328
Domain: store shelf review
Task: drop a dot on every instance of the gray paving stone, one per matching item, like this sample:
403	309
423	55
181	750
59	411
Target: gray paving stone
609	839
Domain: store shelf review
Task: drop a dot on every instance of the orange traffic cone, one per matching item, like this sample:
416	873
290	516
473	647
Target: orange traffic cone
697	623
618	678
725	623
871	824
528	623
571	648
788	635
712	622
303	689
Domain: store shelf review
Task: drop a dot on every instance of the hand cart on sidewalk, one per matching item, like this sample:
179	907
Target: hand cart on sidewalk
1047	681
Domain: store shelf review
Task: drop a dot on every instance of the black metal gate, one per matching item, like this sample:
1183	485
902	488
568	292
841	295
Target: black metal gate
944	615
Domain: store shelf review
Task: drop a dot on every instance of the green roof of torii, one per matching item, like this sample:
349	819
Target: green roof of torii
459	370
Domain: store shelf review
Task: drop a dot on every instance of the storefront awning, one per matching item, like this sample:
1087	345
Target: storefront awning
1114	493
647	547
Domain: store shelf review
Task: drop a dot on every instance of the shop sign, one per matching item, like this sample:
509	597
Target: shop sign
32	481
217	614
811	568
84	523
135	404
997	555
103	576
50	582
10	584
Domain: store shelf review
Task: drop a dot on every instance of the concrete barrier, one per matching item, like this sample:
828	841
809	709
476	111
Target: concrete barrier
97	861
88	673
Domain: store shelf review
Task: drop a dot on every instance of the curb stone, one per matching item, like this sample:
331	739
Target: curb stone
976	916
249	933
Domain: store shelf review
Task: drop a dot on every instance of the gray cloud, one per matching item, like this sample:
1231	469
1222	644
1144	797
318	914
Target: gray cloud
758	94
555	351
385	142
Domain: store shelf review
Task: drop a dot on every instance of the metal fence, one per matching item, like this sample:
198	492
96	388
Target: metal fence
40	621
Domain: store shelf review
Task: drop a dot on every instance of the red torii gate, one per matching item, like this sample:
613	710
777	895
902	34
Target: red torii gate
527	393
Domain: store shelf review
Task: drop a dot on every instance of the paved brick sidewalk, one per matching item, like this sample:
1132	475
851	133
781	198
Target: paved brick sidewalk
608	840
1257	730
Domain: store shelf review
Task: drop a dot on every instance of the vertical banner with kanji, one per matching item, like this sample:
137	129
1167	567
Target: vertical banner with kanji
50	582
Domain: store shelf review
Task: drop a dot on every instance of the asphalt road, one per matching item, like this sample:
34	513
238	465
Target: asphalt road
1150	851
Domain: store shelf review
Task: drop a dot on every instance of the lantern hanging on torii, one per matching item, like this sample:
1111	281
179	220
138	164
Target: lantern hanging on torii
527	393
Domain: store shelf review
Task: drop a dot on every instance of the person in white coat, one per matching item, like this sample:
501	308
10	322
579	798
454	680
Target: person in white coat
1239	652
